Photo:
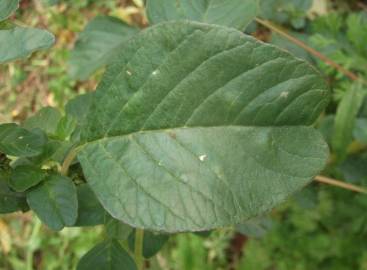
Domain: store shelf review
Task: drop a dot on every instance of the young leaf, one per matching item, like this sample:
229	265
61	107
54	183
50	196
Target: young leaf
19	142
108	255
152	243
224	136
55	202
90	211
10	201
116	229
345	119
7	7
18	42
242	12
65	127
97	45
78	108
46	119
286	11
25	176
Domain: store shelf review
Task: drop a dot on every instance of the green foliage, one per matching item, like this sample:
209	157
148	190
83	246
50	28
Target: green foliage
242	12
193	127
55	202
345	119
98	45
285	11
7	7
108	255
128	132
24	177
19	142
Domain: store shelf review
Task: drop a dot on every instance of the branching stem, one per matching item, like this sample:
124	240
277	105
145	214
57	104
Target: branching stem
341	184
139	238
310	50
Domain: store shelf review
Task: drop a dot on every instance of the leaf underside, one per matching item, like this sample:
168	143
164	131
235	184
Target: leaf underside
197	127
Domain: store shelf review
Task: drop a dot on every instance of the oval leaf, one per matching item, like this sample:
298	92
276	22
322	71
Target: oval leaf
204	142
7	7
108	255
18	42
55	202
25	176
10	201
19	142
97	45
242	12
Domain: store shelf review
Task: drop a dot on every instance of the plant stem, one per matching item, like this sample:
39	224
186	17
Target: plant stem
68	160
310	50
31	247
341	184
139	237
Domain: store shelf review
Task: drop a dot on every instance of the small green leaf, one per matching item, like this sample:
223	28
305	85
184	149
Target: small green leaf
97	45
66	127
152	243
117	229
7	7
108	255
55	202
78	108
19	142
19	42
46	119
255	227
345	119
25	176
292	12
90	211
232	13
10	201
224	137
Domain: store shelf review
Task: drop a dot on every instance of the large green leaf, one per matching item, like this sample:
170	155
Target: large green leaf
7	7
108	255
17	141
17	42
232	13
97	45
55	202
198	126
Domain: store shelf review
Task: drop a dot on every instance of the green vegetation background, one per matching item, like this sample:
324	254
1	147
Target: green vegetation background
320	228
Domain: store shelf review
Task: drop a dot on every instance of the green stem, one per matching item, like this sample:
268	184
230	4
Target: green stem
139	238
68	160
34	234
